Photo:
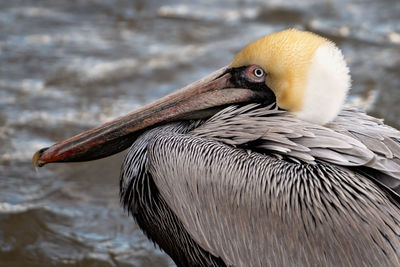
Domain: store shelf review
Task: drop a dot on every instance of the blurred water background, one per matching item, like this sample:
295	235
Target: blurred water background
66	66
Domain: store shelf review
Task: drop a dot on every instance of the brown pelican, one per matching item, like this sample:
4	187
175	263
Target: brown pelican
258	164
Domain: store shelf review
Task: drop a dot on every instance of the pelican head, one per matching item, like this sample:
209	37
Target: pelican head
306	72
303	72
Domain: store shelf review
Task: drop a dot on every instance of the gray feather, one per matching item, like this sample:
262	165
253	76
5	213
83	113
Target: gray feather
257	210
352	139
256	186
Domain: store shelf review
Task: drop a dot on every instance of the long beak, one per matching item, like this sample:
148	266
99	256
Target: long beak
213	91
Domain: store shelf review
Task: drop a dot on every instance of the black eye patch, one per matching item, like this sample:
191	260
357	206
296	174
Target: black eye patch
239	80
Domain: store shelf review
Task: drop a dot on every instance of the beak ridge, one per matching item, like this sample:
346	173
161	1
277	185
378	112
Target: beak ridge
215	90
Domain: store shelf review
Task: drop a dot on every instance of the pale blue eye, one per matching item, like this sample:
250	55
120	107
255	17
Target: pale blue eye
258	72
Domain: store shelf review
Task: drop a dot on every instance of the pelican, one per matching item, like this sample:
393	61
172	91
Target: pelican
258	164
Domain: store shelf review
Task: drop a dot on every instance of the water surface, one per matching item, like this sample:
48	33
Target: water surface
66	66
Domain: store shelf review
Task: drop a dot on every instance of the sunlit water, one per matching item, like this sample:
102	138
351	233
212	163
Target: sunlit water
66	66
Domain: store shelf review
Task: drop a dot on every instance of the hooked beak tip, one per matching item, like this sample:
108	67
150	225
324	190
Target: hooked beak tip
36	161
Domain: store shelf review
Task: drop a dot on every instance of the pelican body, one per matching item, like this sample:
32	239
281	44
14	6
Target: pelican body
258	164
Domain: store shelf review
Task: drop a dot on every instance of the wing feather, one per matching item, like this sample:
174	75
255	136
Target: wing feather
250	209
352	139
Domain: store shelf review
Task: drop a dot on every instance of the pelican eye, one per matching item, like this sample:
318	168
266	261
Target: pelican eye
258	72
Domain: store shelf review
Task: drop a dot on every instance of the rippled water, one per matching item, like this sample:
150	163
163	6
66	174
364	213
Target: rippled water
66	66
